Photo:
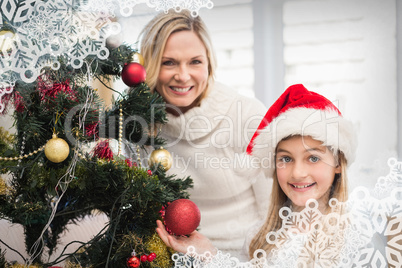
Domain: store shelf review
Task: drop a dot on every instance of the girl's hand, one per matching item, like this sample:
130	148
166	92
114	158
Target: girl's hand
181	243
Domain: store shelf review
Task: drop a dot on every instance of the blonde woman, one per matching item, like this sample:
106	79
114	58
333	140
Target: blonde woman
310	144
209	127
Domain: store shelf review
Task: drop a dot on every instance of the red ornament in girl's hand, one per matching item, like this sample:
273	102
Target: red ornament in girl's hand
133	262
133	74
182	217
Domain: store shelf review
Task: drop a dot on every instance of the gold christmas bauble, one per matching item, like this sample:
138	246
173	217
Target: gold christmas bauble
161	156
137	57
7	38
56	149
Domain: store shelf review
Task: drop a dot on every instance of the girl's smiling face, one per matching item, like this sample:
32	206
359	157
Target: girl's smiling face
183	76
305	169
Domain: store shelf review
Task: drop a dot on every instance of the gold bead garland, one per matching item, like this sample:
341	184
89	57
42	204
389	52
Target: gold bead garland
80	155
138	156
120	130
22	149
23	156
35	152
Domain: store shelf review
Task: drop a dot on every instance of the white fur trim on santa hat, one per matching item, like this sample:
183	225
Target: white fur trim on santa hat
326	126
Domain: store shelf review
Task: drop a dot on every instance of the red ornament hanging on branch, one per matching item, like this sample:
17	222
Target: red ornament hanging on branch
148	258
133	74
151	257
182	217
133	262
144	258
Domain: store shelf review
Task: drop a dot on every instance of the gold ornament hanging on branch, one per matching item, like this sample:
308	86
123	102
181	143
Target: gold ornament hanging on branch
137	57
56	149
161	156
7	39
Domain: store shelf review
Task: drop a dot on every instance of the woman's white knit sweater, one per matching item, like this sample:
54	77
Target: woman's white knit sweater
209	143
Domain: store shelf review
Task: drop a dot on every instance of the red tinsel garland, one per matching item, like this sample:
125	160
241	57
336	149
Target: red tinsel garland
91	130
6	99
130	163
49	90
19	102
102	150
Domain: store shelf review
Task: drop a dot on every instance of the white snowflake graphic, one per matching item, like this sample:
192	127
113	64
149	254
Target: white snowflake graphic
192	5
44	31
39	28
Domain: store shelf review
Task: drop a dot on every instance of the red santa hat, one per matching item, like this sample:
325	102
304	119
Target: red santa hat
301	112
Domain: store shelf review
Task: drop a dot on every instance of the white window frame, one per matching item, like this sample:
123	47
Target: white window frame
398	76
269	67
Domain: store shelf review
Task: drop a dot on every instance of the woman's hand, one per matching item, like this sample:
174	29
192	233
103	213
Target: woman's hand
181	243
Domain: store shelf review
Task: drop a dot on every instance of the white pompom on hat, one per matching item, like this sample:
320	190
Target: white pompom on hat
301	112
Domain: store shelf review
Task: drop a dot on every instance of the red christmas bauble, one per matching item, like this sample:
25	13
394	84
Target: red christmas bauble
144	258
151	257
182	217
133	74
133	262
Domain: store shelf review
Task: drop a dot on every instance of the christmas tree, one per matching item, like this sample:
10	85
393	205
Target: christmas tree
58	178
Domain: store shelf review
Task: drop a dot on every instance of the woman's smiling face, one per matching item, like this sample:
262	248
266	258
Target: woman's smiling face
183	76
305	169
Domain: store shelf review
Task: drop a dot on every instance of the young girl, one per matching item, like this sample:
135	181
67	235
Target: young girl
307	145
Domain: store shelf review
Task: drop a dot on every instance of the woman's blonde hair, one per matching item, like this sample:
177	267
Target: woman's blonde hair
279	200
154	37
